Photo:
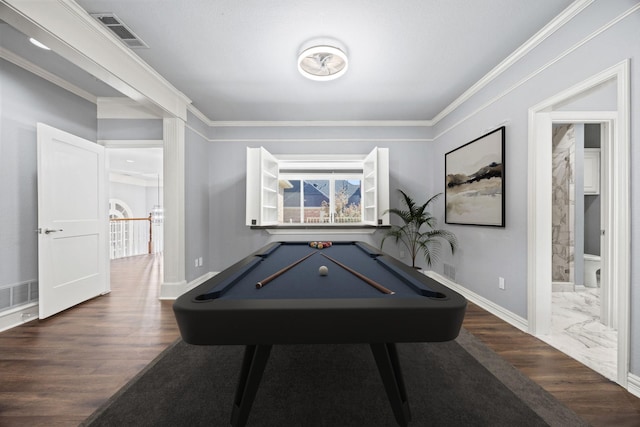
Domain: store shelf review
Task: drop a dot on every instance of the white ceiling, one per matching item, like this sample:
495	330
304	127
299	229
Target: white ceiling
236	60
143	164
409	59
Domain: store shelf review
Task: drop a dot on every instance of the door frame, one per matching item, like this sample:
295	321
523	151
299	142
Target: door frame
616	211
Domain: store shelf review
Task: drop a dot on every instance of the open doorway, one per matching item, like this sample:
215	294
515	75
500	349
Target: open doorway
136	201
580	305
613	84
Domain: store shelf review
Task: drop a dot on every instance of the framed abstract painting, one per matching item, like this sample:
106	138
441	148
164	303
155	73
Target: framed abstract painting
474	182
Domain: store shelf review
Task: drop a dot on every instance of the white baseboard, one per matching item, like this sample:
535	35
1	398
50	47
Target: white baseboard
171	291
18	316
493	308
633	384
633	381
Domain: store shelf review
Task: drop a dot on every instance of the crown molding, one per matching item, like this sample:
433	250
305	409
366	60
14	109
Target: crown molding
545	66
123	108
558	22
72	33
96	28
569	13
324	123
306	123
41	72
319	140
131	143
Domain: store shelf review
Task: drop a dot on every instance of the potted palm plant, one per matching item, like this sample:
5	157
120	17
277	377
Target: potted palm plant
418	232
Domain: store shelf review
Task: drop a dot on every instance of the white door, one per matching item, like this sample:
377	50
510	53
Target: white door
73	262
369	200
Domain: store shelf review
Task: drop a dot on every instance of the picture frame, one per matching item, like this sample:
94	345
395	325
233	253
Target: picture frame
474	181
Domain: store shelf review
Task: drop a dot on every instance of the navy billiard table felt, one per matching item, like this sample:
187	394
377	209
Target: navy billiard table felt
304	280
302	306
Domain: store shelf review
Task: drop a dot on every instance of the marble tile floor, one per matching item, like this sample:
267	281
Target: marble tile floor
576	330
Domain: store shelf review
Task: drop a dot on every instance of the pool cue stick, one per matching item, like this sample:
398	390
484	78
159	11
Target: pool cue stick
278	273
373	283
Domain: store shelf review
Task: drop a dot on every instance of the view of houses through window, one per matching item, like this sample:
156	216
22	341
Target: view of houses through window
341	190
316	200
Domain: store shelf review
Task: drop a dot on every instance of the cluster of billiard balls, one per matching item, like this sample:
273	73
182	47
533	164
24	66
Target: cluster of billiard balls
323	270
320	245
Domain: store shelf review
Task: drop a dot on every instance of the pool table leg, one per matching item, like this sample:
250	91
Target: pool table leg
386	356
253	364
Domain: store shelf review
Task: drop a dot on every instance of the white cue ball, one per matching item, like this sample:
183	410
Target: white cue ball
323	270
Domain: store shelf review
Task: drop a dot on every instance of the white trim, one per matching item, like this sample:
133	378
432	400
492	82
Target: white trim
96	28
530	76
633	385
131	143
320	231
174	203
41	72
545	32
493	308
573	10
72	33
324	123
122	108
18	315
617	229
139	180
171	291
319	140
558	22
585	116
199	114
304	140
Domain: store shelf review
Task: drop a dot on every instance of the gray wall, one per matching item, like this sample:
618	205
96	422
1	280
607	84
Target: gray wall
197	204
25	100
130	129
489	253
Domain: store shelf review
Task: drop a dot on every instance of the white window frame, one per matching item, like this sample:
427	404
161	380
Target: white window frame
264	181
331	178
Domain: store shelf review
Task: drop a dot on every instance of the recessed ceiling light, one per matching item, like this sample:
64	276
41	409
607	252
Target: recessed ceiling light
323	62
130	161
37	43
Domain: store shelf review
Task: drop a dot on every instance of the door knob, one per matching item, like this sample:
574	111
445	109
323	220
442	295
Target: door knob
49	230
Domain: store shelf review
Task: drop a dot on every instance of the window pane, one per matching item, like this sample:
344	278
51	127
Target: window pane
316	201
347	201
291	212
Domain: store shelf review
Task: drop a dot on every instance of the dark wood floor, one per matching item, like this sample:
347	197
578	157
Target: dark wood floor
56	372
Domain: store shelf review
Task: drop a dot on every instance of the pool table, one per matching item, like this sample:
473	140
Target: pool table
277	295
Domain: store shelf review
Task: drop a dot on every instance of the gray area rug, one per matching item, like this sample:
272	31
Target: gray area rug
458	383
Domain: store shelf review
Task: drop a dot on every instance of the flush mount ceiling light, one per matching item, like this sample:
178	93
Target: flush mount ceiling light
322	62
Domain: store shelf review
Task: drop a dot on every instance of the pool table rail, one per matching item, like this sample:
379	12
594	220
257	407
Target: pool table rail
206	319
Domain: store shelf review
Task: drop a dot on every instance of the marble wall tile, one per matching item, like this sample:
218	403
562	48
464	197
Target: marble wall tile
563	203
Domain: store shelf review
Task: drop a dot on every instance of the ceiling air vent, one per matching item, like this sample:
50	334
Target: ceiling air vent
112	22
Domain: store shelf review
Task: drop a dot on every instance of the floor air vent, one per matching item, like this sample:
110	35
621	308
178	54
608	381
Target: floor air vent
124	33
449	271
18	294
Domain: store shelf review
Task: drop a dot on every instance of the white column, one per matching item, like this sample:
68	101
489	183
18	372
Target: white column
174	283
